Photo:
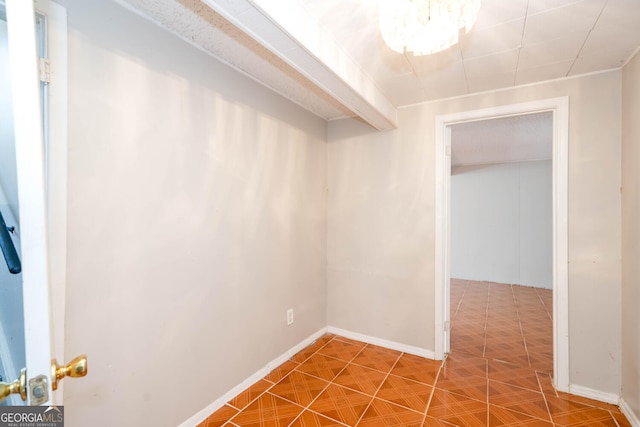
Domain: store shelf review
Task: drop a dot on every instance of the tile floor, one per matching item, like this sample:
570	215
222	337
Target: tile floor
498	374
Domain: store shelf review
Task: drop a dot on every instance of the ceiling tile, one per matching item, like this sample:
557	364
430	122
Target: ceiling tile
603	37
492	64
577	17
454	73
452	89
424	64
621	13
494	12
546	72
537	6
445	83
484	82
493	39
402	90
601	60
551	51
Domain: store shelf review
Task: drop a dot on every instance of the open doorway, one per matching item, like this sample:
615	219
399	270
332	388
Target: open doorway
501	242
558	107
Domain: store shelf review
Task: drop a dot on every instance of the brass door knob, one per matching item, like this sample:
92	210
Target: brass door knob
74	369
19	386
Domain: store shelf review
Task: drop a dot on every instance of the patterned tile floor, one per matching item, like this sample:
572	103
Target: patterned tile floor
498	374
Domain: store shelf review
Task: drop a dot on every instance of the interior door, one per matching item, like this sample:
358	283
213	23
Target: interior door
31	195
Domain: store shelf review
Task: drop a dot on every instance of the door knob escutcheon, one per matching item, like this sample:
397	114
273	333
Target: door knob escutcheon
19	386
74	369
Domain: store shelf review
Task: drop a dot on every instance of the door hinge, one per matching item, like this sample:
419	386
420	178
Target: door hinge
447	326
447	150
44	70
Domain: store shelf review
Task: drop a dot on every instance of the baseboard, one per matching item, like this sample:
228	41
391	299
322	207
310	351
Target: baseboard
219	403
598	395
418	351
628	412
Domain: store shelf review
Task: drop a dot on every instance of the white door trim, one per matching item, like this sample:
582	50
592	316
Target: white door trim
31	188
560	108
57	173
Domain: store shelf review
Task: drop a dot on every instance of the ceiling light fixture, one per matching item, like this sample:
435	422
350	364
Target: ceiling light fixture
425	26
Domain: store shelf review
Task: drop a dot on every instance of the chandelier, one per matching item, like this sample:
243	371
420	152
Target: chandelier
425	26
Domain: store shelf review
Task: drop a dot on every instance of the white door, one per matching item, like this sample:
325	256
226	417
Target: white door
33	218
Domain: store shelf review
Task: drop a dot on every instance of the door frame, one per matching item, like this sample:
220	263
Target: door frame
43	215
56	177
560	170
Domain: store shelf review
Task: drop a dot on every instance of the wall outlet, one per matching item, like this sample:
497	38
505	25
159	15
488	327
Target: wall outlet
290	316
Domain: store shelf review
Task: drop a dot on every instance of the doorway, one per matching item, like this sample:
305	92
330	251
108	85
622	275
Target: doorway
559	108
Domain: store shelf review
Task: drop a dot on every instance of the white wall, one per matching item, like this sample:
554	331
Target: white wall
501	223
631	235
381	223
196	218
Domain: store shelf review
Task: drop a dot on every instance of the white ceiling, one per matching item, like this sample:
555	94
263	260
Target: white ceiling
502	140
328	55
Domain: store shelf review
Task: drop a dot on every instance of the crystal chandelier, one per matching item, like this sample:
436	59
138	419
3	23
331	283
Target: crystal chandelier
425	26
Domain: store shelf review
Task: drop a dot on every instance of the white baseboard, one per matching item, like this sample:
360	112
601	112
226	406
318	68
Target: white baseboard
628	412
589	393
418	351
219	403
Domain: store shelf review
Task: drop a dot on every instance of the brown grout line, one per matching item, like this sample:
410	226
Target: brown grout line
306	408
433	389
378	389
515	302
544	305
460	301
486	319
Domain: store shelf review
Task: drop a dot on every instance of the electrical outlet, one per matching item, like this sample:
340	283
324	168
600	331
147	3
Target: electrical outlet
290	316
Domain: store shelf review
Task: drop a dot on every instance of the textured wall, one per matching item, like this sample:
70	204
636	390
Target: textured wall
381	222
197	209
631	235
501	223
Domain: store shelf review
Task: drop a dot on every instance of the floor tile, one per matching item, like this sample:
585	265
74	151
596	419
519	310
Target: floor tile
566	412
299	388
405	392
281	371
621	419
349	340
469	386
360	378
504	417
341	350
501	337
322	366
417	368
220	417
546	383
434	422
250	394
463	365
341	404
518	399
311	419
308	351
381	413
457	410
375	358
517	375
268	411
